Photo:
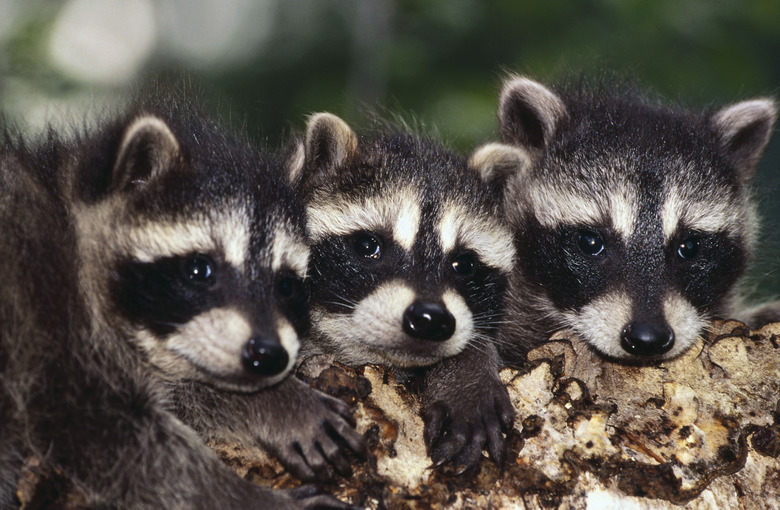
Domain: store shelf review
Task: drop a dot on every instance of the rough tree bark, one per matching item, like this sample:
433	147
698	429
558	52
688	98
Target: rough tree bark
701	431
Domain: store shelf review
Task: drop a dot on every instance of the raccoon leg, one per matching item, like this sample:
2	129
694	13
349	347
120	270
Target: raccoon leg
125	451
466	407
305	429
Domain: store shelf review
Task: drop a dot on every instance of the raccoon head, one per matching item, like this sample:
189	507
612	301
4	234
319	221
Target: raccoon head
409	252
633	220
194	254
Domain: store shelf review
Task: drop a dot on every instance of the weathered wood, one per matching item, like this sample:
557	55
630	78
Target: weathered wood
701	431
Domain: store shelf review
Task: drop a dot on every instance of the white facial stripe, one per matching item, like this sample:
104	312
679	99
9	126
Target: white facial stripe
399	212
162	240
289	340
686	322
709	217
554	208
233	232
406	225
491	241
601	322
464	321
227	234
288	250
622	211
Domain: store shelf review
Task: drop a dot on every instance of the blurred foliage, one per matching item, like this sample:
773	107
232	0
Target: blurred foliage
441	61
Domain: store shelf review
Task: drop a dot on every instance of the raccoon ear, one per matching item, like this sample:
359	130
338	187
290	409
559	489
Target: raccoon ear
496	162
528	113
328	145
148	149
743	130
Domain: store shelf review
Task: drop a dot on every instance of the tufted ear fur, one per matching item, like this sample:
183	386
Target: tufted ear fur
148	149
495	163
743	130
329	144
528	114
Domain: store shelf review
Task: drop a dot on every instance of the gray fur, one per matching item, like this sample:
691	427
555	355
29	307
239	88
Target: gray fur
661	189
424	207
88	384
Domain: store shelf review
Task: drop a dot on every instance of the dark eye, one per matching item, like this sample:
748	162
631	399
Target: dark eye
368	246
688	248
289	287
590	243
198	269
464	264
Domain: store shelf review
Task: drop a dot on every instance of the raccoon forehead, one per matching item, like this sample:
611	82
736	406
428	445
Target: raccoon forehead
718	212
487	237
226	232
338	215
289	250
556	206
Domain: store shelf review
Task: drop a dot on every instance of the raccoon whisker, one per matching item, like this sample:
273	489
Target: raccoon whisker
343	301
489	322
170	324
498	342
487	313
484	339
480	346
349	306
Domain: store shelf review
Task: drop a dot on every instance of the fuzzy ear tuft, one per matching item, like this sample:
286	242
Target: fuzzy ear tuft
528	113
329	143
496	162
744	130
296	161
148	149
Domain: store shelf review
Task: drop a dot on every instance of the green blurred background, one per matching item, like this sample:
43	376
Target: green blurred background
266	64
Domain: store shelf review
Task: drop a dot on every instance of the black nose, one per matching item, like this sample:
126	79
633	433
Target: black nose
428	321
264	356
645	339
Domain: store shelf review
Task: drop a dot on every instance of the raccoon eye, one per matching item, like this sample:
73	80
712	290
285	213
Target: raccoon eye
289	287
198	269
590	243
368	246
464	264
688	248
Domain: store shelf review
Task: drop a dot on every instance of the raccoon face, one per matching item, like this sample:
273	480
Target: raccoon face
403	271
203	274
633	220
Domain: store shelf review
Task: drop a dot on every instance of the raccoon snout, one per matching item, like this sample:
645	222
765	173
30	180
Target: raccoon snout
647	339
428	321
264	357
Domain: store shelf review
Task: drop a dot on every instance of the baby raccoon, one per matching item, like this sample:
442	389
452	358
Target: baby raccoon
153	293
634	220
410	259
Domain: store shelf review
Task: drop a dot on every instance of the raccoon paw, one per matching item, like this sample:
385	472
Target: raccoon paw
458	429
315	441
